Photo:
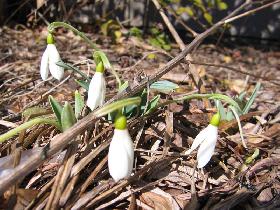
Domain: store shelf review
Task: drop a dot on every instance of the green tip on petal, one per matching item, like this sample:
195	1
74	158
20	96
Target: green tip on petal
50	39
120	122
215	120
100	67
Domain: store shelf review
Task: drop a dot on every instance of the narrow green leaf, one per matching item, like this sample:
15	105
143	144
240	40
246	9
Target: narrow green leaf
221	109
190	11
241	95
152	104
222	5
253	156
79	104
164	85
68	118
123	86
208	17
229	116
252	99
83	84
117	105
56	107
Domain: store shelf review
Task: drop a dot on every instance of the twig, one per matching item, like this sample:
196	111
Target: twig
194	34
229	20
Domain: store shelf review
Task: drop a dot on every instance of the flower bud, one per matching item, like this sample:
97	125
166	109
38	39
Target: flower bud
121	153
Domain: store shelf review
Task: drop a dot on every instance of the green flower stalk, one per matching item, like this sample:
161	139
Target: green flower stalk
27	125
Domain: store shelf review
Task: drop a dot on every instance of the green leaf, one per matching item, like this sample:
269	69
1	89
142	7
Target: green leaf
152	104
222	5
134	31
105	27
117	105
34	112
166	47
79	104
68	118
83	84
252	99
221	109
198	2
56	107
154	31
154	42
164	85
189	11
180	10
242	95
253	156
69	66
229	116
208	17
151	56
131	110
123	86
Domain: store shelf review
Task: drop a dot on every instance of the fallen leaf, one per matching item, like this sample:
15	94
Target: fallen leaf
158	200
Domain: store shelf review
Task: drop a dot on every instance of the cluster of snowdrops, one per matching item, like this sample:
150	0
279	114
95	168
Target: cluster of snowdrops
121	150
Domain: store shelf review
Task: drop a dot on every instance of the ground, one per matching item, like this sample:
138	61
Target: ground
164	177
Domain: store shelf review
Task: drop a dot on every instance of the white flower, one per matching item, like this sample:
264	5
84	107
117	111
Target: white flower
206	140
48	63
121	155
96	91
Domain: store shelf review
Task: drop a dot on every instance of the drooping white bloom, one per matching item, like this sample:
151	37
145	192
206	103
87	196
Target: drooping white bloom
121	153
206	141
48	62
96	91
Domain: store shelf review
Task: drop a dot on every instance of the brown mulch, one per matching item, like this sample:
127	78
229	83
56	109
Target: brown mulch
163	177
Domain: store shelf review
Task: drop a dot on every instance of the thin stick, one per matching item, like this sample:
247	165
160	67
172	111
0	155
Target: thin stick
229	20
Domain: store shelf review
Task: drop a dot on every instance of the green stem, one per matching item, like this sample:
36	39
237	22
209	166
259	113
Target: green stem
27	125
55	25
117	105
69	66
239	126
201	96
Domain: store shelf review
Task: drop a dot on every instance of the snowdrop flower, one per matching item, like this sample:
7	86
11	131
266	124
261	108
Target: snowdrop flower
97	88
121	154
49	59
206	140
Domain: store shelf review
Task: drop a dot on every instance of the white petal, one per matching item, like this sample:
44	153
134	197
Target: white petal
197	141
96	91
44	67
121	155
56	71
207	147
